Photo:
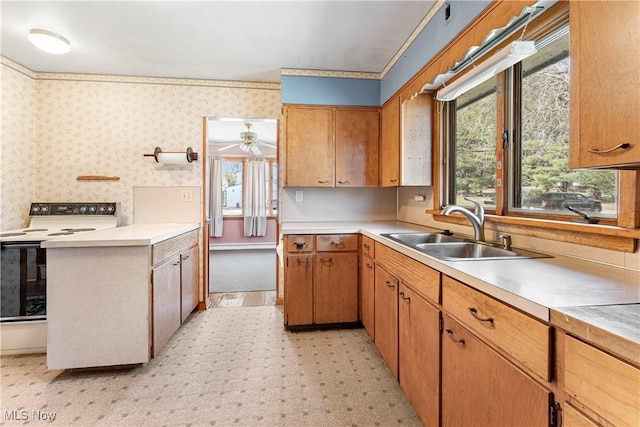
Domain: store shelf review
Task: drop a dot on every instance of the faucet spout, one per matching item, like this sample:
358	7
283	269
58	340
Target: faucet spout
476	219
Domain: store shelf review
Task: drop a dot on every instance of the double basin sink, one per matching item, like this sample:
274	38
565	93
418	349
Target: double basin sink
452	248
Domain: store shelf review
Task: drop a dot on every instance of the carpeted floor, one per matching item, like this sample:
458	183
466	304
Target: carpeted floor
224	367
242	270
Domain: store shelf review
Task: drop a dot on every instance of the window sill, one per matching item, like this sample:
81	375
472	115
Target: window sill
603	236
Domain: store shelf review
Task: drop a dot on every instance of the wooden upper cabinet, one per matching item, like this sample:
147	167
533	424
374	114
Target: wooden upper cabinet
357	138
309	147
390	144
605	92
331	146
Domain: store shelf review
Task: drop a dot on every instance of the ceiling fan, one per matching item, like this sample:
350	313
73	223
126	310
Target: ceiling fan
248	142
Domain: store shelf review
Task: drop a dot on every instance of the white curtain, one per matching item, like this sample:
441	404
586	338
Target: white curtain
215	197
255	200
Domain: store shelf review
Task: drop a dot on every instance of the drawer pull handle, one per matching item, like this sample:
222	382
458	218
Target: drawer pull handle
305	262
323	182
300	246
388	283
369	266
393	180
343	182
327	261
450	333
339	245
407	299
474	313
622	146
366	246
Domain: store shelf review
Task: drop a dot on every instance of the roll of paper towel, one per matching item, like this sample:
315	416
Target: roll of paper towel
173	158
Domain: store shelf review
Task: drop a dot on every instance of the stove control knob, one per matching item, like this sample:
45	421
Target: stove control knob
44	209
83	209
102	209
111	208
92	209
35	209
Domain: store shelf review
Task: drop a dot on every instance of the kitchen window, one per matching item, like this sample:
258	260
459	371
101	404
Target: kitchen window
233	176
508	143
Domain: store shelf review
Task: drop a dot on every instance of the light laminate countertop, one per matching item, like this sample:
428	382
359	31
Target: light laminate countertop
570	288
128	235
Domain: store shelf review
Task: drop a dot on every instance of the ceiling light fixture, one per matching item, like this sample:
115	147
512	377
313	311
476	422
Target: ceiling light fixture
49	41
505	58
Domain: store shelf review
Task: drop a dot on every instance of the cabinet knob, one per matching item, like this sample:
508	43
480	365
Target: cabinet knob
300	246
622	146
388	283
407	299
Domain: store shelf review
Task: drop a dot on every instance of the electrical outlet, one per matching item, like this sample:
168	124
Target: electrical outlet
299	196
186	196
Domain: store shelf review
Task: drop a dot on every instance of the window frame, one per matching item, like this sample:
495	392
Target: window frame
622	236
272	208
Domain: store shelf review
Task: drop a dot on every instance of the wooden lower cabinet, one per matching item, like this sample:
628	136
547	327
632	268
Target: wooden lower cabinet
335	298
189	275
298	276
166	302
367	295
321	279
386	317
419	354
605	387
481	388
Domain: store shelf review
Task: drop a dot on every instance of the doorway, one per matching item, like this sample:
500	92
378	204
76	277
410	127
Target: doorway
241	201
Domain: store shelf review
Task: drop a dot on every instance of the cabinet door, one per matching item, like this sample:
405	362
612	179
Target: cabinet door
481	388
190	272
309	147
335	291
419	354
386	317
298	291
166	302
605	99
357	138
390	144
367	301
415	140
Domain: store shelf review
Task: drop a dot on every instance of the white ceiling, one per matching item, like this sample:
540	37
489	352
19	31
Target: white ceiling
221	40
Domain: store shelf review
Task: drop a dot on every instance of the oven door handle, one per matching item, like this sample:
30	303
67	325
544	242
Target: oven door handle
24	245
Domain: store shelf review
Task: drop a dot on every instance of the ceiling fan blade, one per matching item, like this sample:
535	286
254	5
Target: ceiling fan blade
255	150
227	147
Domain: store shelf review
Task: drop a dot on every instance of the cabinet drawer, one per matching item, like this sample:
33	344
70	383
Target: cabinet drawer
174	246
602	383
422	279
300	243
336	242
523	338
367	246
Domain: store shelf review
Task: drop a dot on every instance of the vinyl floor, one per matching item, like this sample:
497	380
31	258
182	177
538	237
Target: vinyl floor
226	366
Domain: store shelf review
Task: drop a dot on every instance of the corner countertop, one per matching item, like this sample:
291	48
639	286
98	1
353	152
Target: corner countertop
551	289
128	235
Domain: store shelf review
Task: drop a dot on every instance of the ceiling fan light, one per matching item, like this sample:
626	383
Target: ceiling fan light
49	41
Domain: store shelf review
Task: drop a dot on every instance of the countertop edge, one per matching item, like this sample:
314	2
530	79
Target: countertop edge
127	235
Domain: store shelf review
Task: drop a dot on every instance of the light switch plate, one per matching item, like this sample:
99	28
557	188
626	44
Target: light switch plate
299	196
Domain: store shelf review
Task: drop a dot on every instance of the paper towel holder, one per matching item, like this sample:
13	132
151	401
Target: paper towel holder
190	155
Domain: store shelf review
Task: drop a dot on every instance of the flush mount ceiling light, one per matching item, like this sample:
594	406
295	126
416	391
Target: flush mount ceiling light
49	41
505	58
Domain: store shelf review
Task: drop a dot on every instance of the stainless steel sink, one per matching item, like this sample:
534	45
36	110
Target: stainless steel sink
422	238
466	251
453	248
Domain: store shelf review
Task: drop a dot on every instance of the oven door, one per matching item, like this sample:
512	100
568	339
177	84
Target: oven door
23	281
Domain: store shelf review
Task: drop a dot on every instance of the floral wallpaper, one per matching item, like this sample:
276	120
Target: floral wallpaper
17	144
73	125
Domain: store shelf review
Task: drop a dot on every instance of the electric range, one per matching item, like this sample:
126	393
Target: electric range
23	273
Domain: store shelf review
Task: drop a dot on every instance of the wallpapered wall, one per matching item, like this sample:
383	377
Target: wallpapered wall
70	125
17	145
